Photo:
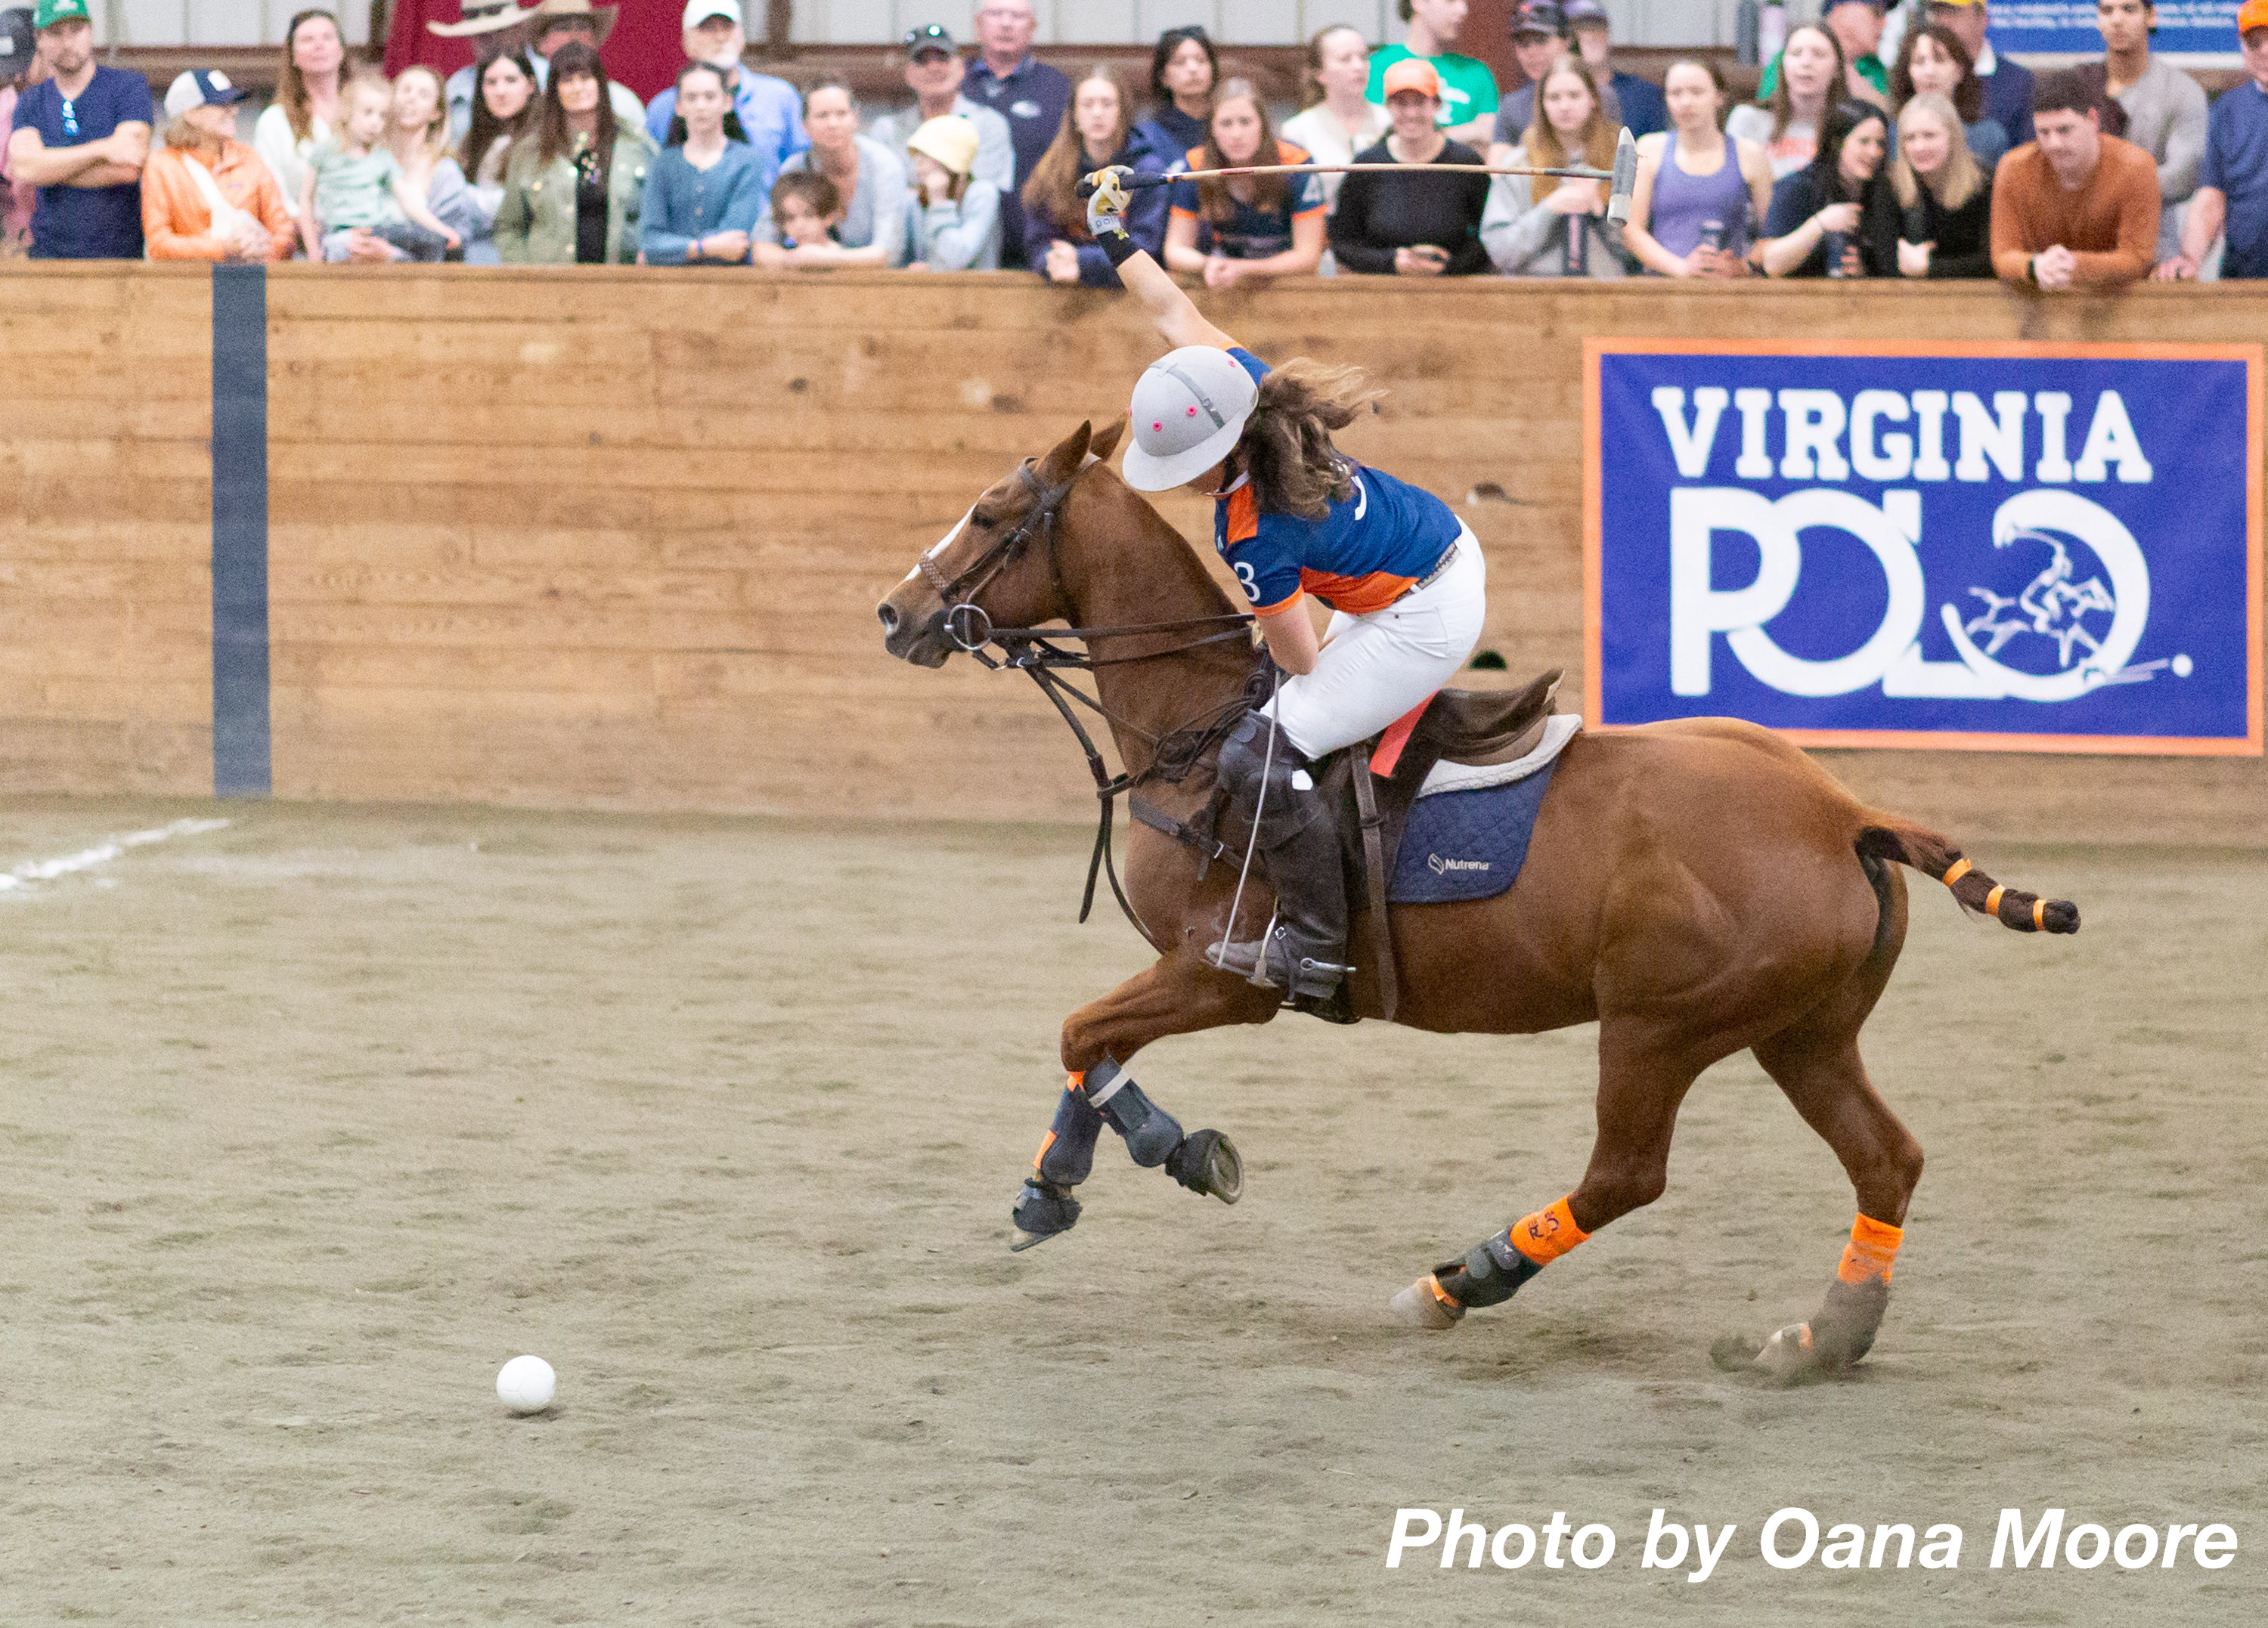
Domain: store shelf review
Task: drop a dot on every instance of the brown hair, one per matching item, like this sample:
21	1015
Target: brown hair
1052	189
574	61
1214	202
2067	89
1968	96
1783	102
1545	150
1701	64
820	195
291	85
1287	441
486	129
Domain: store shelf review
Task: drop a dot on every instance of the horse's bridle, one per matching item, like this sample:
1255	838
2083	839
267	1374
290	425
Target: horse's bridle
1030	650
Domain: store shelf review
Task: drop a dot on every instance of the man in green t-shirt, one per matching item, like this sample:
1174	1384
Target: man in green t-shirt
1468	87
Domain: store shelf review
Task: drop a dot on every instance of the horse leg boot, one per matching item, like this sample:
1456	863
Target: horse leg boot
1066	1156
1206	1163
1298	845
1490	1273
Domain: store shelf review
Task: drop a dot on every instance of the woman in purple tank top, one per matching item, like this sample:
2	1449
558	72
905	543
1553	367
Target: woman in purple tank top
1693	174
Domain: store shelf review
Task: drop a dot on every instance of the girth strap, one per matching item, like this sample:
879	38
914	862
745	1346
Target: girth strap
1374	865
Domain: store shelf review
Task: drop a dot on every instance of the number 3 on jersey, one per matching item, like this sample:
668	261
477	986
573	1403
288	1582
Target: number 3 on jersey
1251	583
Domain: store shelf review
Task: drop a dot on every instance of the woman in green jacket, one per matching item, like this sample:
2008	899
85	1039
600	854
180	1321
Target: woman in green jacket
574	182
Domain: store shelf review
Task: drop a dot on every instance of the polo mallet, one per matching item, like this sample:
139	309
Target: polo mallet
1621	180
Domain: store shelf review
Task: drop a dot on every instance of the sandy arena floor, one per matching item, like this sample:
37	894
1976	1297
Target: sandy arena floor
310	1122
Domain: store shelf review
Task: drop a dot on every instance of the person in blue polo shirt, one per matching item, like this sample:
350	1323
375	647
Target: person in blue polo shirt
769	110
82	138
2233	180
1023	89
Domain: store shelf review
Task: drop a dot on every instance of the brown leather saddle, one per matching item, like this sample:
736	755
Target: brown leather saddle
1457	726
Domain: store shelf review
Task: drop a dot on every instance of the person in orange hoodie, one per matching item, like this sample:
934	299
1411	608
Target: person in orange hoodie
206	196
2073	208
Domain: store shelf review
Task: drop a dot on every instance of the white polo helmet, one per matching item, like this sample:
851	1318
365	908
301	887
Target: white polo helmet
1190	408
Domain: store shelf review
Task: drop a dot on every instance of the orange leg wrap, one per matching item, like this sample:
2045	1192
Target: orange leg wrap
1873	1245
1547	1234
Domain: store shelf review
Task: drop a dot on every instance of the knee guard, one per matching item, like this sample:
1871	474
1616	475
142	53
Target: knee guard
1066	1157
1247	771
1150	1132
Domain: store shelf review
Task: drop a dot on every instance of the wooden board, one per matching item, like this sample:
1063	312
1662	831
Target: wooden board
613	537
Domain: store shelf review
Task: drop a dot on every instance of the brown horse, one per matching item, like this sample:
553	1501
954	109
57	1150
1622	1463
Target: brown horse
1697	888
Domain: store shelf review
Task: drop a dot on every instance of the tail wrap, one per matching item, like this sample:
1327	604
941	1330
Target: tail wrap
1933	856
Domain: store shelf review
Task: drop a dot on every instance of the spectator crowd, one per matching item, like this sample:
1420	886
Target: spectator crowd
1885	140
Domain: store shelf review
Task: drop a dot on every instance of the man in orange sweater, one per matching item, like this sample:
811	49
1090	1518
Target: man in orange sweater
2073	208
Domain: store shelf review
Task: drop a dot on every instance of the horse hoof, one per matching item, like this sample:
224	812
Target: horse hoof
1787	1356
1424	1304
1043	1209
1208	1163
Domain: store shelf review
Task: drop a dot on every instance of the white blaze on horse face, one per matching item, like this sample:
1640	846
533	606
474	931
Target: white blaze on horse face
943	543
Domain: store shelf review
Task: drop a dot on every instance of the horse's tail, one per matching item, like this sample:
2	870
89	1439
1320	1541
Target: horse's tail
1886	836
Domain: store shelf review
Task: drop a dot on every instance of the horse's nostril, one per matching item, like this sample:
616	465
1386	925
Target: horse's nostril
889	615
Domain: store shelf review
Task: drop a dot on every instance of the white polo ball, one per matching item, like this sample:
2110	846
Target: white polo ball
527	1385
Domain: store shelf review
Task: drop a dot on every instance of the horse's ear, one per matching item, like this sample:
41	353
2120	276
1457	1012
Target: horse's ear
1059	465
1105	441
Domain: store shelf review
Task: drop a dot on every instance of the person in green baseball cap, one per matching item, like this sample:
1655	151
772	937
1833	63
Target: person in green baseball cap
81	137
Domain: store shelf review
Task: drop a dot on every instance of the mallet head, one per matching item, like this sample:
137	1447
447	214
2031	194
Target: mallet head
1625	181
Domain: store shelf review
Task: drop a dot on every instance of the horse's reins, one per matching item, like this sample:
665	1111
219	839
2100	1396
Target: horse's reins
1031	651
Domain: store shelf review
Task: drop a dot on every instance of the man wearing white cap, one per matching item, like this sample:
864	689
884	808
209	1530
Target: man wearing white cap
1295	517
500	27
770	112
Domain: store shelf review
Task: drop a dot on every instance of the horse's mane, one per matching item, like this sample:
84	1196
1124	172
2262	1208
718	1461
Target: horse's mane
1172	549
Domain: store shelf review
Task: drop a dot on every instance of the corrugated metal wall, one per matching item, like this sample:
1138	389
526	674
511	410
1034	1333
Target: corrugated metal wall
878	22
1247	22
215	22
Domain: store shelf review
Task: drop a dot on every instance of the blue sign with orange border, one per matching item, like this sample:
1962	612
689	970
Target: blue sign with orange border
2050	547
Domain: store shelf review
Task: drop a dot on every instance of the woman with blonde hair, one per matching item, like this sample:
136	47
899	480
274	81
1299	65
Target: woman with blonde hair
1944	223
1097	132
1565	232
206	196
418	134
306	111
1234	227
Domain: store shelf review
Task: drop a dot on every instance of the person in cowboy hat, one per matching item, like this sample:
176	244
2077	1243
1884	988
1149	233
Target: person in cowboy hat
499	27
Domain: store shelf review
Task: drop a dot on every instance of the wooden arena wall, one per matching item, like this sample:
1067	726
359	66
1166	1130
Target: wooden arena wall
612	539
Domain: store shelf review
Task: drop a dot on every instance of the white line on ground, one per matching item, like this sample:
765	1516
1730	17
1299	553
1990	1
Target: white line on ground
87	859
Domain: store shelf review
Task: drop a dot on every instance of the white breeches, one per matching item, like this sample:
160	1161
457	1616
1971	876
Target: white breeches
1374	668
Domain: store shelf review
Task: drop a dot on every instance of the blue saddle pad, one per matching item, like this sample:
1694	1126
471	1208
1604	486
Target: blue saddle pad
1467	845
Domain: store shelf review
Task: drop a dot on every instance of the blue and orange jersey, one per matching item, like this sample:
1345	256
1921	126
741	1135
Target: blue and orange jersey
1249	234
1360	557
